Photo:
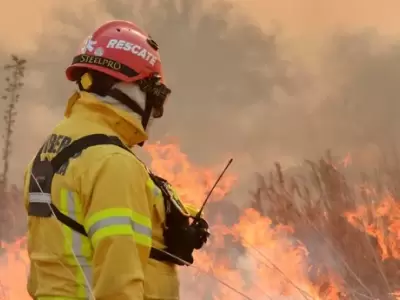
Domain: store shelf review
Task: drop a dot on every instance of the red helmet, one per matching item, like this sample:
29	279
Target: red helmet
121	50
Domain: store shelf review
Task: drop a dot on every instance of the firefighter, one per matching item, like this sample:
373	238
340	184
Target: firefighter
98	227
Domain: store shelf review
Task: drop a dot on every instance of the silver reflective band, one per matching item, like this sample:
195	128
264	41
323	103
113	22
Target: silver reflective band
78	244
119	221
39	198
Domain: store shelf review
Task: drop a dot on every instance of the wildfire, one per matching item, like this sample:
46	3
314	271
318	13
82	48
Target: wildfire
346	160
253	259
191	182
14	264
382	221
273	264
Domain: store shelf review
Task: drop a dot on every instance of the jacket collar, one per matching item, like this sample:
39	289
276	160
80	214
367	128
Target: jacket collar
124	124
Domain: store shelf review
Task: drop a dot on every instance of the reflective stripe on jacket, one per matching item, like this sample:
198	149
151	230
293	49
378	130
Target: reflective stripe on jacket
110	192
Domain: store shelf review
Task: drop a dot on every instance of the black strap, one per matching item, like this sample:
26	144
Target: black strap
126	100
81	144
105	63
145	113
70	151
71	223
159	255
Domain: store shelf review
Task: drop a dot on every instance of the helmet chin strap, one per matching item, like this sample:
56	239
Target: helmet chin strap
145	98
129	97
118	104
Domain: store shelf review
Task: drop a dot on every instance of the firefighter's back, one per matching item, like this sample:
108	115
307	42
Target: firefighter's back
61	258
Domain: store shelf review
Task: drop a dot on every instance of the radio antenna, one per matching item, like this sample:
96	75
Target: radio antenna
212	189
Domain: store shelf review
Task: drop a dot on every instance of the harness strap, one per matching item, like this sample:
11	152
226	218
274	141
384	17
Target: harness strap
83	143
73	149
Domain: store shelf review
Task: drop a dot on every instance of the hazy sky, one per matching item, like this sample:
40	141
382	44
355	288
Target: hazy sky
305	31
313	20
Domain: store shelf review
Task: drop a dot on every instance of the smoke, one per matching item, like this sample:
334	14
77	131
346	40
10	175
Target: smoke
260	80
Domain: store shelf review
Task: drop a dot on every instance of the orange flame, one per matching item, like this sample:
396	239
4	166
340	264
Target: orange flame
263	243
14	266
382	221
347	160
271	264
191	182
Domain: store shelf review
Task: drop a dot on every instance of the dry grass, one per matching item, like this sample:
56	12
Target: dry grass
317	204
12	214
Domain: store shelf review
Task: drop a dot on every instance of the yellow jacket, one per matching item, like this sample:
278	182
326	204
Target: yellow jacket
102	188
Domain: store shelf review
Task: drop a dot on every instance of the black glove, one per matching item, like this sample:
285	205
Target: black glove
201	233
182	241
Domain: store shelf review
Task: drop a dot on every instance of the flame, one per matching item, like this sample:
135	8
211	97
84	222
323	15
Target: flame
382	221
347	160
253	259
397	295
191	182
14	266
275	264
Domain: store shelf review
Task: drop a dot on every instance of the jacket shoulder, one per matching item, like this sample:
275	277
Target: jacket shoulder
109	166
112	156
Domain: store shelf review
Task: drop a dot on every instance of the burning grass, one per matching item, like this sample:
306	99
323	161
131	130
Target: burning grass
312	235
351	231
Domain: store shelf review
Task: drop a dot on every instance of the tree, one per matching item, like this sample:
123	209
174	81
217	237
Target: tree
12	95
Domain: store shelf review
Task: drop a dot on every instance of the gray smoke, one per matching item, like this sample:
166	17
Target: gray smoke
238	88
